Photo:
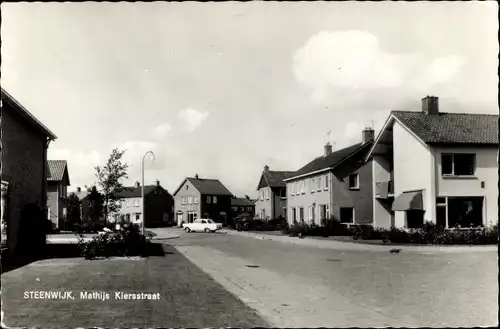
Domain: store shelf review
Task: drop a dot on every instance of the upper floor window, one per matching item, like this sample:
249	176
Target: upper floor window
267	194
458	164
235	208
318	183
312	186
209	199
326	182
261	194
353	181
283	193
190	199
292	188
214	199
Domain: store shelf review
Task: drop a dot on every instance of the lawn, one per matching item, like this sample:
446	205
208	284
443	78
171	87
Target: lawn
188	297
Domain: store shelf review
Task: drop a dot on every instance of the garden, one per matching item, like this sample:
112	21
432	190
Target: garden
428	234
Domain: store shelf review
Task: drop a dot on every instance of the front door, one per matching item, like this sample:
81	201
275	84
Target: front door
179	219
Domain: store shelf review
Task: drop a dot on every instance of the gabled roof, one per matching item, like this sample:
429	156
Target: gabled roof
57	170
206	186
243	202
136	192
451	128
274	178
15	105
331	161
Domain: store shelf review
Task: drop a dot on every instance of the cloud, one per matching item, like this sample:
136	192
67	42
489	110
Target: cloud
332	63
80	165
191	118
161	130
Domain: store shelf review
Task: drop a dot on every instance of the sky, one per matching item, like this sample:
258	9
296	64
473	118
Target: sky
223	89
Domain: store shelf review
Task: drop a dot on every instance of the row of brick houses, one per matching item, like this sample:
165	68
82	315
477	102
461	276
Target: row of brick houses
423	166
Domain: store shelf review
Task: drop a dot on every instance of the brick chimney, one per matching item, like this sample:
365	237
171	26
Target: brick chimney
367	135
247	197
196	176
137	184
157	182
78	189
430	105
328	149
266	168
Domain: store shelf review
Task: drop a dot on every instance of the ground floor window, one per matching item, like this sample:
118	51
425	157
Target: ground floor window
301	214
293	216
347	215
465	211
459	211
192	216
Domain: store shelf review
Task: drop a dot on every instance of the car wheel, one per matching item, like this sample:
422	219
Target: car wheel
207	230
187	229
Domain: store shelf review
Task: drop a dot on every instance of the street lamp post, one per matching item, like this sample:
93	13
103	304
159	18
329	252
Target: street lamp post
142	191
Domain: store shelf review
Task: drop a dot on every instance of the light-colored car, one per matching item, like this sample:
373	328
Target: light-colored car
202	225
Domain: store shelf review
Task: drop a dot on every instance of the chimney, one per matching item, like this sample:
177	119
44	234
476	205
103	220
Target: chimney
157	183
266	168
196	176
368	135
247	197
78	189
430	105
137	184
328	149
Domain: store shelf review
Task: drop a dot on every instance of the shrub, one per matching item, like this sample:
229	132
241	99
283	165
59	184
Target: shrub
128	241
50	227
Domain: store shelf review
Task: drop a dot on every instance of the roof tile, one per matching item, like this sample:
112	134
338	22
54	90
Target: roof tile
209	186
56	170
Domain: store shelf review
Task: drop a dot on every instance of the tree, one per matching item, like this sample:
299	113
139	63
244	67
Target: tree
73	215
109	181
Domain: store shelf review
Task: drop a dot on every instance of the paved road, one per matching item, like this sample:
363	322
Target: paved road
301	286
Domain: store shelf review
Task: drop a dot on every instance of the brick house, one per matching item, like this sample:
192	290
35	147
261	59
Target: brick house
242	206
158	205
23	167
272	198
202	198
438	167
57	191
335	185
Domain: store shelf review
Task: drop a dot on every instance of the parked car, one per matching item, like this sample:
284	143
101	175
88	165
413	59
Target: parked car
202	225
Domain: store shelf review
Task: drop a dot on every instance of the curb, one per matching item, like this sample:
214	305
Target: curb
166	238
336	244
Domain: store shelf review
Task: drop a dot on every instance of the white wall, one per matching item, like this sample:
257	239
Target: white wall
486	171
413	170
132	206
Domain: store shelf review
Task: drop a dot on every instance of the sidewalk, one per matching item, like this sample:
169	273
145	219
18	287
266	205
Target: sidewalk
348	245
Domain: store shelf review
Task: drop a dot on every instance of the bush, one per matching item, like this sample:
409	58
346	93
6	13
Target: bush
128	241
50	227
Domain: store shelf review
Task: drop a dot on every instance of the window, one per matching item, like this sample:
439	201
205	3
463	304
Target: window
312	182
214	199
318	184
301	214
326	182
347	215
465	211
415	219
283	192
127	217
242	209
302	187
196	199
190	199
458	164
235	208
313	214
261	194
267	194
327	211
292	187
208	199
137	217
353	181
310	213
137	202
293	215
249	209
187	187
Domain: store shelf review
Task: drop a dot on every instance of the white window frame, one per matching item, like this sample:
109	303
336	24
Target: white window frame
190	199
261	195
310	213
327	182
357	181
214	199
318	183
196	200
312	182
267	194
208	199
292	188
327	211
474	165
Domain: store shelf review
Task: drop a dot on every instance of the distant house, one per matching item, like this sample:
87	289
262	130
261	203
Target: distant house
334	185
24	171
241	206
272	199
438	167
57	191
202	198
158	205
85	205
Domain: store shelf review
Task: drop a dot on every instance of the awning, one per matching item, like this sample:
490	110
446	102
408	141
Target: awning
408	201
